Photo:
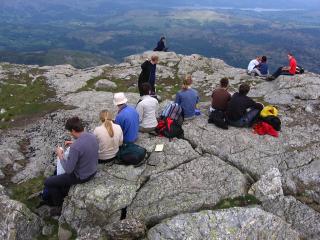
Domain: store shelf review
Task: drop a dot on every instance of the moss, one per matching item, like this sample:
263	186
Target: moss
21	192
241	201
22	101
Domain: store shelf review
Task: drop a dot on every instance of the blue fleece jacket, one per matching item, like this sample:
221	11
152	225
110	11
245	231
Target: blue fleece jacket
188	99
128	119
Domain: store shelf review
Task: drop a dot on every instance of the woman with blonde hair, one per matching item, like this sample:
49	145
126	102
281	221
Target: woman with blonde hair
187	98
109	136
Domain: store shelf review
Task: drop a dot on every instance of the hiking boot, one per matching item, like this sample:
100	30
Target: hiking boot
271	78
55	211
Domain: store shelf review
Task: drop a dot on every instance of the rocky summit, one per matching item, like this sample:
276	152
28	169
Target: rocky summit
213	184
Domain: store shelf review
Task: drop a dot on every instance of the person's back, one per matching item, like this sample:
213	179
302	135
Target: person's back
187	98
220	96
239	105
293	66
252	64
83	156
264	68
128	119
109	136
147	109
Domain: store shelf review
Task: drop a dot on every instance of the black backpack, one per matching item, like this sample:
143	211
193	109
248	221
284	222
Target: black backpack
273	121
218	118
169	128
130	154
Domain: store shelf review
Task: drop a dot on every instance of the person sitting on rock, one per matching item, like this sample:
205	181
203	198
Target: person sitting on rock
80	166
263	68
220	96
187	98
289	70
127	118
241	109
109	136
161	46
148	74
147	109
253	64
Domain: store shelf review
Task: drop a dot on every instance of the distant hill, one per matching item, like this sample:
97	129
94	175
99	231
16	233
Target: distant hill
77	59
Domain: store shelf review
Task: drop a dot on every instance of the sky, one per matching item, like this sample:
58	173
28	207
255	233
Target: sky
281	4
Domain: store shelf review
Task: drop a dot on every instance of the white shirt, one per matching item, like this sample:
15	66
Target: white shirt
108	147
147	109
252	64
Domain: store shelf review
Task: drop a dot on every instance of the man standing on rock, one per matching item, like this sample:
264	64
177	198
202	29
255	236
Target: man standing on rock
148	74
127	118
80	166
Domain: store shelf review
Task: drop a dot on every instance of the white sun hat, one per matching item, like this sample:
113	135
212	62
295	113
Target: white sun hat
119	98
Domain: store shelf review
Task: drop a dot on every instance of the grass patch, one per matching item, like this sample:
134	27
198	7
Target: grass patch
22	97
21	192
241	201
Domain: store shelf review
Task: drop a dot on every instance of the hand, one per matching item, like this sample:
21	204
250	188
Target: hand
59	152
67	143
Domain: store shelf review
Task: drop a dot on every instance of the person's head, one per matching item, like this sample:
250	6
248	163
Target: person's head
162	39
75	126
154	59
106	117
119	99
264	59
290	55
244	89
258	58
145	88
224	82
186	83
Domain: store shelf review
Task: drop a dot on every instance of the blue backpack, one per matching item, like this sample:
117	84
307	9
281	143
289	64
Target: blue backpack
173	111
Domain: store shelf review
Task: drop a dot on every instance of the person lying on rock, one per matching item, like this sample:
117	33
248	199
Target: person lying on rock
147	109
127	118
148	74
288	70
187	98
241	109
110	137
80	166
220	96
161	46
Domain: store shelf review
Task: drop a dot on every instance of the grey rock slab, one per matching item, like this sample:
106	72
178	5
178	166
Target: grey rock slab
16	220
269	186
295	152
175	153
234	223
99	201
302	218
199	184
127	229
106	84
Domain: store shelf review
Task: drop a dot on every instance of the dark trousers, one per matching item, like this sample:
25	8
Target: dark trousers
57	187
280	72
246	120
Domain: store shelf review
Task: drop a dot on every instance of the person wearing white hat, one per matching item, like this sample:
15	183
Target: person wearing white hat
127	118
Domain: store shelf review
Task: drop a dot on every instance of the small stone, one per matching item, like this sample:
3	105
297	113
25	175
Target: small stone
2	111
309	109
16	167
47	230
64	234
2	176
